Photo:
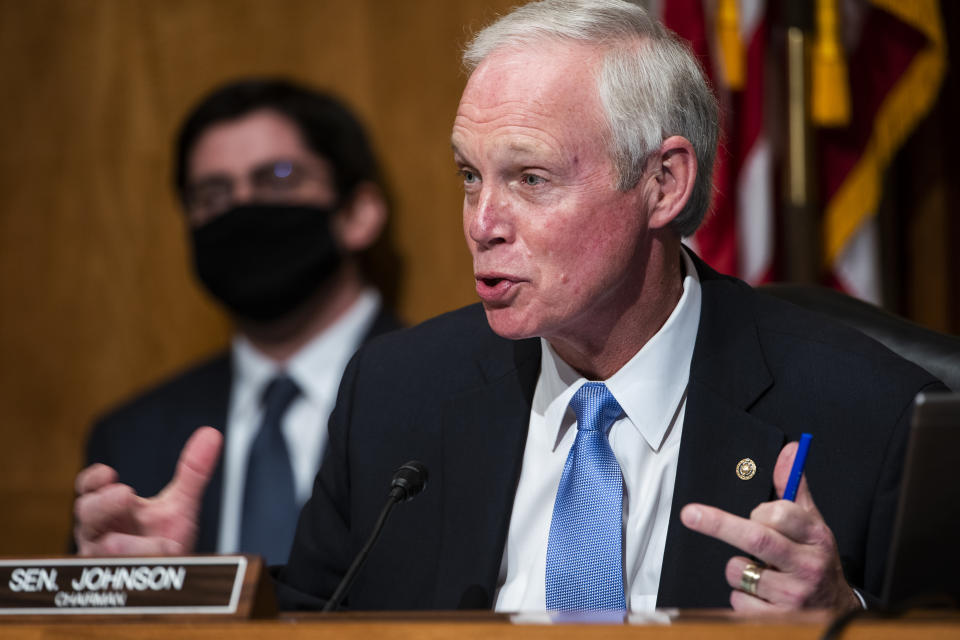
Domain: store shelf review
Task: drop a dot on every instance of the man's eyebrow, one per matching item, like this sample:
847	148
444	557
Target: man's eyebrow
515	148
217	177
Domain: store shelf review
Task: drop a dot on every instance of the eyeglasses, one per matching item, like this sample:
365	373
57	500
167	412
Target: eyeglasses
270	182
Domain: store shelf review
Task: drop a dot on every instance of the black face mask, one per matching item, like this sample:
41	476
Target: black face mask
263	260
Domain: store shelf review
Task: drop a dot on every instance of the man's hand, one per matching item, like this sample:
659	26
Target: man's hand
802	566
112	520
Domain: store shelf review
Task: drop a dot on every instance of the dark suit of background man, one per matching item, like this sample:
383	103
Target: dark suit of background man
585	138
282	198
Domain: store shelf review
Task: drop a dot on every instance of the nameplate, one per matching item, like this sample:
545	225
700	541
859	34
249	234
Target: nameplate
186	585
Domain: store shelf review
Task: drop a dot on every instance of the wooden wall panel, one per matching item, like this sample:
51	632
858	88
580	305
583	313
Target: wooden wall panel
96	297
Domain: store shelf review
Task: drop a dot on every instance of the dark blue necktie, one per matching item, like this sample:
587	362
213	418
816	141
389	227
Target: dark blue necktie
585	549
269	500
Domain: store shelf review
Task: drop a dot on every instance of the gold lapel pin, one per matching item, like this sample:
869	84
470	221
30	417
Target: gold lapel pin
746	469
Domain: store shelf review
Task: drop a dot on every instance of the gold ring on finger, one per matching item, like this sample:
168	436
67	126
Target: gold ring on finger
749	578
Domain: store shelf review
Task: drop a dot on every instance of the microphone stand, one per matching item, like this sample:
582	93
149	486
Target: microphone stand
361	558
409	480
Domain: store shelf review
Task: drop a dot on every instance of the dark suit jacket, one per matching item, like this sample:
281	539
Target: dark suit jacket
143	438
457	397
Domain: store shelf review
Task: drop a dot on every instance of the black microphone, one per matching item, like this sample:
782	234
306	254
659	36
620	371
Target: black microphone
408	481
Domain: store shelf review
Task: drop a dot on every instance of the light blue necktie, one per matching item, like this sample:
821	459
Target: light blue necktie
585	552
270	510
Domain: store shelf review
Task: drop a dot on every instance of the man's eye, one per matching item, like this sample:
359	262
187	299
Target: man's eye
277	177
469	176
210	196
531	180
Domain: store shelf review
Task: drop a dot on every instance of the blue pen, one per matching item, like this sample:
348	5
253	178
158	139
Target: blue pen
793	483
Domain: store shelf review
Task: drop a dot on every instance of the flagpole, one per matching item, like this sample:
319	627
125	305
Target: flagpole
801	220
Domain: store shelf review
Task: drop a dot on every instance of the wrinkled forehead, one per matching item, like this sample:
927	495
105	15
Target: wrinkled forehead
534	72
543	86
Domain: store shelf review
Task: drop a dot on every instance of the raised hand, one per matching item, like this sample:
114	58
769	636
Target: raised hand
799	563
112	520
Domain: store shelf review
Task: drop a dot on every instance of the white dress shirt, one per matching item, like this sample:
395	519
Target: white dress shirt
651	388
317	369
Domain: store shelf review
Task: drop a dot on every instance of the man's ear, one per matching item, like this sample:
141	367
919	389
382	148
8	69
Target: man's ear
674	170
361	220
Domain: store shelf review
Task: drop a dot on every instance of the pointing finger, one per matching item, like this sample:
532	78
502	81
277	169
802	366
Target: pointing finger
753	538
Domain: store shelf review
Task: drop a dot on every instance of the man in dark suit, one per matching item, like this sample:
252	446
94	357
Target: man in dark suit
282	199
762	373
613	429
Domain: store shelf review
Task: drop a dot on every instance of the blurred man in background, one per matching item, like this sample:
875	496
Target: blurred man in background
282	197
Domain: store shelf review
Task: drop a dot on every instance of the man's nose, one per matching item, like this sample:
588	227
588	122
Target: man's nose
491	221
243	192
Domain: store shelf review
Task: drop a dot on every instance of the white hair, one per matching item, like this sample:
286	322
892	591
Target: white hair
649	83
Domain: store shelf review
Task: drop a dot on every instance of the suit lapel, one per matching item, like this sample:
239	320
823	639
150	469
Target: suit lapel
728	374
211	409
484	432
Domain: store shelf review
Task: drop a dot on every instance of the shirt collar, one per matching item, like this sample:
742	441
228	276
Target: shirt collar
650	386
316	367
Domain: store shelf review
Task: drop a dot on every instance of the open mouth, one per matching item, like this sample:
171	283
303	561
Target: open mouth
494	289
